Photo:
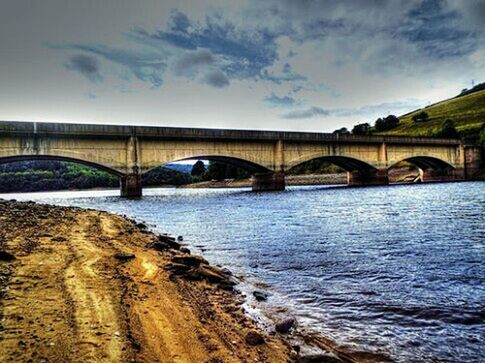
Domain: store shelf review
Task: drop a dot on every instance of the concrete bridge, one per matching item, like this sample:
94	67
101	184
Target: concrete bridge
130	151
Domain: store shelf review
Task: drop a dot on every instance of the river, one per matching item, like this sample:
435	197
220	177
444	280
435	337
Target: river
397	269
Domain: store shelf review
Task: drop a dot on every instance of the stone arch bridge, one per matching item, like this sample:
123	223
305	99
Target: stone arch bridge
130	151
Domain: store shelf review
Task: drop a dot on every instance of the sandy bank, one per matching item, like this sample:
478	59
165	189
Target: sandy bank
397	175
67	296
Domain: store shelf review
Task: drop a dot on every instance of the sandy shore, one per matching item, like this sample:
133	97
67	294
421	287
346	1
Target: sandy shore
88	286
395	176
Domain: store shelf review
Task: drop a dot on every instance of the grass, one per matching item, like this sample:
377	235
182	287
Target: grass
467	112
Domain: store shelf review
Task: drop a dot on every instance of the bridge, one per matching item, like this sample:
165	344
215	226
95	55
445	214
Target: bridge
130	151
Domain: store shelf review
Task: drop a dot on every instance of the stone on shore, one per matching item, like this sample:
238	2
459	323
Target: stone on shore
260	295
285	326
254	338
5	256
319	358
194	261
121	256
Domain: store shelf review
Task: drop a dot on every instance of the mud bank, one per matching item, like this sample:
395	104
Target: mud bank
87	286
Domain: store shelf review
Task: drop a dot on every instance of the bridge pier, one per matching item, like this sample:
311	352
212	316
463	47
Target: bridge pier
265	182
441	175
130	185
367	177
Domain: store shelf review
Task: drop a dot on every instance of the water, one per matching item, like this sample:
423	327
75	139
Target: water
392	269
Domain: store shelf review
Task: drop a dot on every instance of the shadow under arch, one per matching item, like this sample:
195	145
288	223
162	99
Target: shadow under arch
249	166
11	159
426	163
347	163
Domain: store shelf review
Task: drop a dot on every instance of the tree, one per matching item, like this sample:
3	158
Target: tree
198	168
421	117
447	129
361	129
386	123
342	131
482	137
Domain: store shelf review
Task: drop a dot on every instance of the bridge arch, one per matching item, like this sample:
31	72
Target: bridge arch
425	162
244	164
11	159
433	169
347	163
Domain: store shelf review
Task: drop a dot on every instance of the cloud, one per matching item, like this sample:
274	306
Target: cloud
242	52
374	110
86	65
286	75
216	78
276	101
307	113
188	62
145	66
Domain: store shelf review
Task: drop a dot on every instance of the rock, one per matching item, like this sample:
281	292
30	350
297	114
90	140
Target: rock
226	271
185	250
260	295
194	261
177	268
254	338
285	326
141	225
319	358
180	238
227	285
170	241
5	256
124	256
159	246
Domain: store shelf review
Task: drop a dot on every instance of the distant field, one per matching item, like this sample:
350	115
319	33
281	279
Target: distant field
468	113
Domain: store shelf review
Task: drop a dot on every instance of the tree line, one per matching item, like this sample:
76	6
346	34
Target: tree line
446	129
45	175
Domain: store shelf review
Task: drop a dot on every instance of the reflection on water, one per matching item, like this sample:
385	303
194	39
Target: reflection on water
397	269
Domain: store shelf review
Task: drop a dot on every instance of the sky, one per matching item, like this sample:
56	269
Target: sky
304	65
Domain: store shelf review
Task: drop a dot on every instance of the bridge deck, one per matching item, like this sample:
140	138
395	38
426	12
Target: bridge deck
115	131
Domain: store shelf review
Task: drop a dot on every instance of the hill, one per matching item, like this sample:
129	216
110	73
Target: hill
466	110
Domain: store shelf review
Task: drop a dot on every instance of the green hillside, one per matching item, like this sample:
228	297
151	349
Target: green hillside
467	112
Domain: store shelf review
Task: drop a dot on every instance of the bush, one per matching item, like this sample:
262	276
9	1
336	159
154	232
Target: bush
361	129
342	131
387	123
421	117
198	168
447	129
482	137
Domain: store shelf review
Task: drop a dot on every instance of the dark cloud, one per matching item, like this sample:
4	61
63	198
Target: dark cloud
306	113
276	101
431	26
216	78
86	65
188	62
147	67
243	52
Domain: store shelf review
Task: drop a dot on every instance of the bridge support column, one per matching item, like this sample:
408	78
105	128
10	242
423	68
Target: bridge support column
473	161
131	186
265	182
441	175
367	177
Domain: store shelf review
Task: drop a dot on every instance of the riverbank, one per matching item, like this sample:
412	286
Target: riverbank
85	285
397	175
82	285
